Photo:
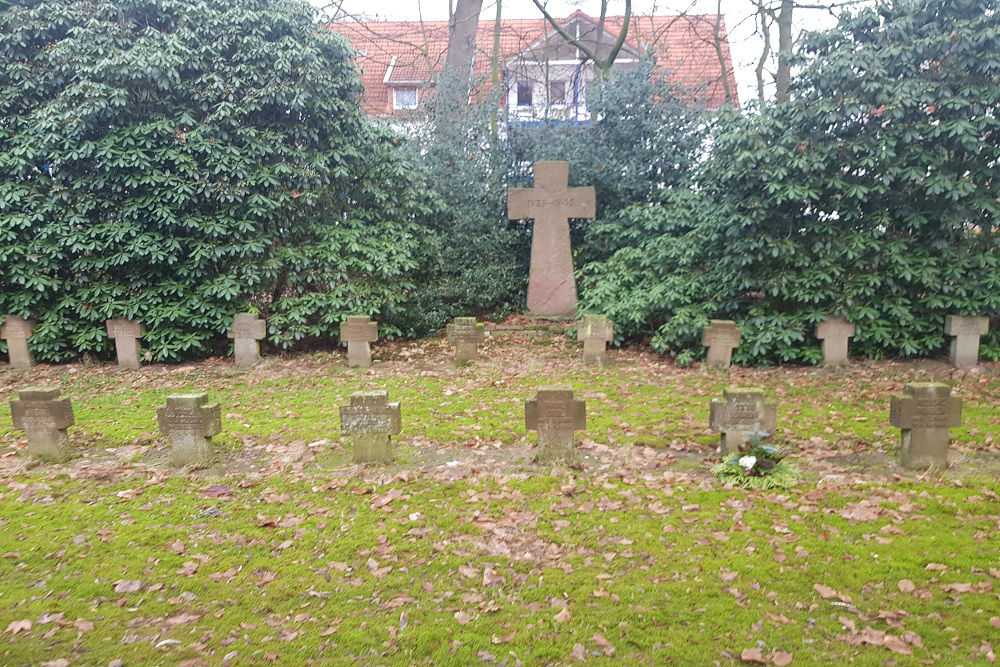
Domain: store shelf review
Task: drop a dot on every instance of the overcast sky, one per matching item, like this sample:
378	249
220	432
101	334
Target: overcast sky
744	43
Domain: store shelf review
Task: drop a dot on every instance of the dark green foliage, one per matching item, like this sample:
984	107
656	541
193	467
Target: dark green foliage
873	193
176	162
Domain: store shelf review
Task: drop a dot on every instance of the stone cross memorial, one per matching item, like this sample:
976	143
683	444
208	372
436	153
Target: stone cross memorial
16	331
44	418
465	334
925	411
125	334
835	332
555	414
596	331
721	337
371	421
966	331
740	412
246	331
189	421
551	285
358	333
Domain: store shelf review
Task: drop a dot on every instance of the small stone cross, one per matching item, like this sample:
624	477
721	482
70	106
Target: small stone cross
596	331
721	337
246	330
925	411
466	335
964	352
16	331
835	332
739	412
551	284
44	418
555	414
125	333
358	332
371	421
189	421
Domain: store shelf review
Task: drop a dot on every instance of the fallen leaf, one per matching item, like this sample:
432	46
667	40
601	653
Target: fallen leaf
938	567
603	642
579	652
462	617
727	575
563	616
129	585
18	626
781	659
505	638
753	656
906	586
828	593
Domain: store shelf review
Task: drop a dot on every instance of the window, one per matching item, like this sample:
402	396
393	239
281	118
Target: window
404	98
557	92
524	94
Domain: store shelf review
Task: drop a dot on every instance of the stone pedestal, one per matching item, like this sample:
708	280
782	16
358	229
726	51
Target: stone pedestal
247	330
358	332
595	331
44	418
189	421
739	412
835	332
125	334
465	334
16	331
370	421
924	412
965	332
555	414
551	283
721	337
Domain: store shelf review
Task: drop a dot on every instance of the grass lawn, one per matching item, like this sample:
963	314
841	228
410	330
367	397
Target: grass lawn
465	552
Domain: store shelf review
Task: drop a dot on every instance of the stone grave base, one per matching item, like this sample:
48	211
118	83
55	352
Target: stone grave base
192	451
50	446
372	448
924	447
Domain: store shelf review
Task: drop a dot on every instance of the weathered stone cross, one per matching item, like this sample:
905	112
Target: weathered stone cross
966	330
738	413
596	331
721	337
835	332
551	284
555	414
189	421
370	419
246	330
44	418
125	333
16	331
925	411
466	335
359	332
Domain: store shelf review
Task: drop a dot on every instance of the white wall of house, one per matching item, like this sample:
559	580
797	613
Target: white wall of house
555	90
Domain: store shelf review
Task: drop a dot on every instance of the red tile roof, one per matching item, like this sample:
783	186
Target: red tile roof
683	46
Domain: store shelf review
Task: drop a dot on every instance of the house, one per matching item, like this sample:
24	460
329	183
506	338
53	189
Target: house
543	75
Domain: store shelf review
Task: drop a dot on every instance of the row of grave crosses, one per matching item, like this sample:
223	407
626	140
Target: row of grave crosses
924	413
721	337
358	332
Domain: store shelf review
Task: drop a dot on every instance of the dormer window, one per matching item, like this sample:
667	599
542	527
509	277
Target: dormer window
524	91
404	98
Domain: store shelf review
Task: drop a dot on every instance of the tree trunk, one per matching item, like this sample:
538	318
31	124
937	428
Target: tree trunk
783	77
462	29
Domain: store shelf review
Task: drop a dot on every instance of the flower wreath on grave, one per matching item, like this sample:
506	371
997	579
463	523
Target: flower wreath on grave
756	465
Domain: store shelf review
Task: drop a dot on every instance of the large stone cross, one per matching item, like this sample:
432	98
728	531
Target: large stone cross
125	333
555	414
359	332
925	411
551	284
966	330
16	331
466	335
246	330
721	337
835	332
44	418
740	412
370	419
596	331
189	421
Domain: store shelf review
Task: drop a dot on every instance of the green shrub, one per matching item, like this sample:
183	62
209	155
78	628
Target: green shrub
873	193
